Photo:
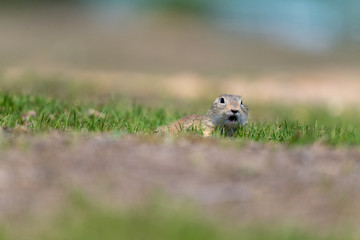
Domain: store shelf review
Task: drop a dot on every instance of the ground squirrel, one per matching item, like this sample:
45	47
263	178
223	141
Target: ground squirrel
227	113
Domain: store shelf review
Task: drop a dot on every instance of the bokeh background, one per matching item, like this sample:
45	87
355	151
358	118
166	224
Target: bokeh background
292	60
277	51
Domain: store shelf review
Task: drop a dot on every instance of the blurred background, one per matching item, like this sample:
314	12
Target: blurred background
297	60
296	51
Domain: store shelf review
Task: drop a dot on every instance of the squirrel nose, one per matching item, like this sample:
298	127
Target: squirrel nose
234	111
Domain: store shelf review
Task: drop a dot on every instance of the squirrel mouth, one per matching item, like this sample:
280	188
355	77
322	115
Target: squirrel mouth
233	118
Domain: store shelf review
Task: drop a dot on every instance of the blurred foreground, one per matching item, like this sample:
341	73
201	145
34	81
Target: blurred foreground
314	188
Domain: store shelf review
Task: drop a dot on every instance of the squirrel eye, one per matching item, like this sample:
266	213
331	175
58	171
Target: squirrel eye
222	100
241	102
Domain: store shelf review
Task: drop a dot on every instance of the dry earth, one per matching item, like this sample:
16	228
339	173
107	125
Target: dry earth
314	185
336	88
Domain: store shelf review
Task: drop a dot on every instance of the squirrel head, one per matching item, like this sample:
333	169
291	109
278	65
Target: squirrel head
229	111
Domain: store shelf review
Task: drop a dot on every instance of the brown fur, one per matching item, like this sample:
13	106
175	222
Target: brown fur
217	117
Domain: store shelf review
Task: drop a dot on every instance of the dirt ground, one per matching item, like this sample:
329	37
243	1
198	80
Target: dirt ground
314	185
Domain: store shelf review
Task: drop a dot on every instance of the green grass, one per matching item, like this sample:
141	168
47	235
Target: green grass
300	133
282	125
61	115
157	220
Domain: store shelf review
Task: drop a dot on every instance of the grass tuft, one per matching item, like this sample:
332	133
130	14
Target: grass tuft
36	113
